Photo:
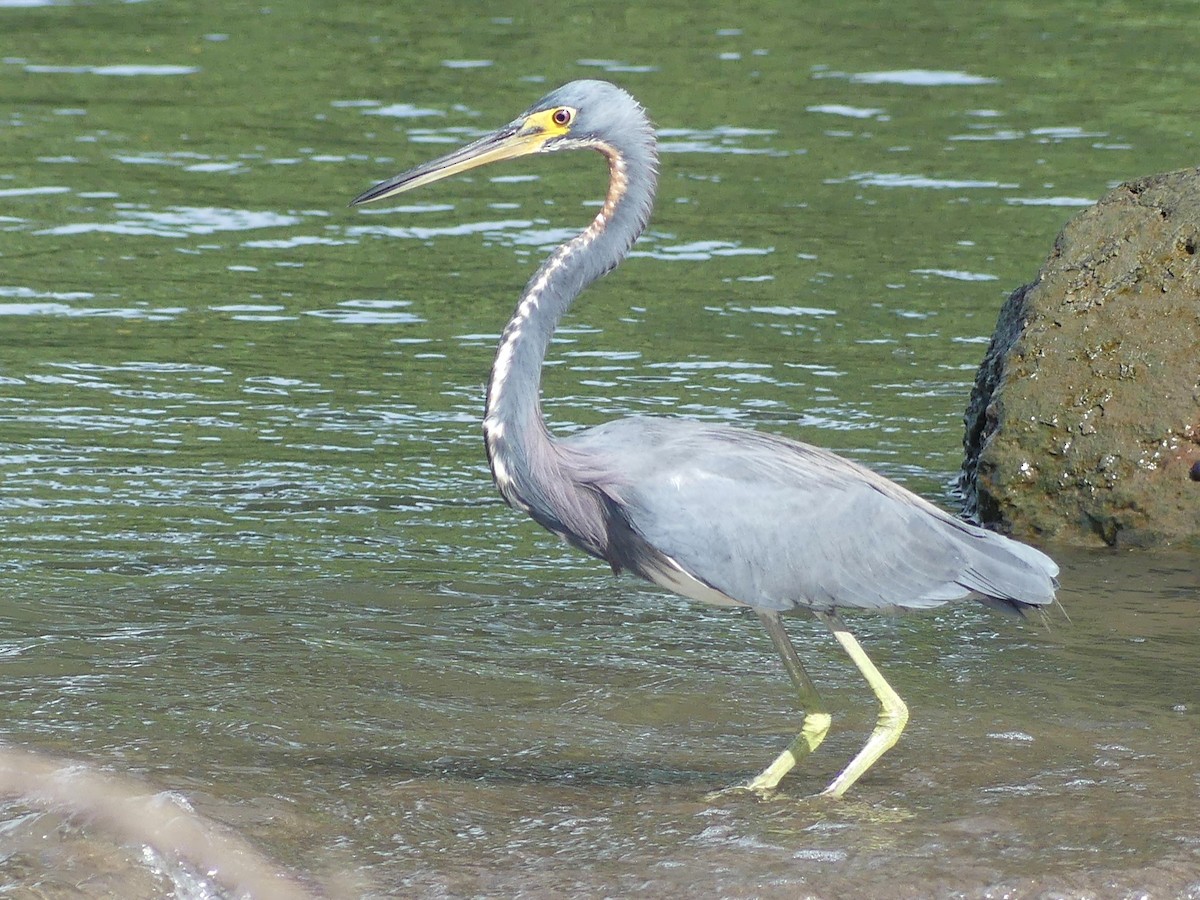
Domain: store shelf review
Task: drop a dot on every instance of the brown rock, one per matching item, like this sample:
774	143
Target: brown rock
1084	423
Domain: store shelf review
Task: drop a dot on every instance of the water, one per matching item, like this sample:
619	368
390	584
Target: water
256	578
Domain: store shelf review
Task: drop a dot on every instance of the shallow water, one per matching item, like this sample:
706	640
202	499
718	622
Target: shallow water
257	577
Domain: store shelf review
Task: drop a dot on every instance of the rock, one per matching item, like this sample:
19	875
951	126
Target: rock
1084	423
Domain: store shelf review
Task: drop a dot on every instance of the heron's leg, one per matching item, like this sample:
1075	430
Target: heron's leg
893	713
816	717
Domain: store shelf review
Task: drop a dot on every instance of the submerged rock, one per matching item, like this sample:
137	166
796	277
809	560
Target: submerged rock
1084	423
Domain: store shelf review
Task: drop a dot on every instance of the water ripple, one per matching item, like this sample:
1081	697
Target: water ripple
922	78
120	71
1049	201
957	274
895	180
403	111
34	191
368	312
701	250
723	139
177	221
612	65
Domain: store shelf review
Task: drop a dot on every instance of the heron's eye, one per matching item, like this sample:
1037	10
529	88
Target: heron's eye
563	116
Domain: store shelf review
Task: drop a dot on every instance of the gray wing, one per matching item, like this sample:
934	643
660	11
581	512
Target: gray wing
777	524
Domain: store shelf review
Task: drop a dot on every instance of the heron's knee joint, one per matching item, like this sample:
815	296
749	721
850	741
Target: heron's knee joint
817	723
893	716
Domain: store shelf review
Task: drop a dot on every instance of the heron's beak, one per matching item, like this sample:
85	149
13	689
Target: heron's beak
518	139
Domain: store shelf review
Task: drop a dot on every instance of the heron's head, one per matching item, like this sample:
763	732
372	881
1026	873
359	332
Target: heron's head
578	115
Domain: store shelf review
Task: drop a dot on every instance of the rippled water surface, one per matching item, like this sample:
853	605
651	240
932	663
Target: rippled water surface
263	613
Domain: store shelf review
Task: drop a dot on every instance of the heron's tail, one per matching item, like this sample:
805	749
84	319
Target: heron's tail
1006	574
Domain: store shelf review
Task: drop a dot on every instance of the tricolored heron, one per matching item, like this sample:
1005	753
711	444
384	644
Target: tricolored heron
719	514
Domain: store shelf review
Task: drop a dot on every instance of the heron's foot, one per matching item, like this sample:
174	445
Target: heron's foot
737	790
816	726
893	715
762	785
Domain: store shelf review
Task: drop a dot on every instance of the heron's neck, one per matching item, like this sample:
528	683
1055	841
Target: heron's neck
514	431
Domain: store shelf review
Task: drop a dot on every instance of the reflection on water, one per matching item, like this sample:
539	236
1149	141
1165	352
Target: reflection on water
254	565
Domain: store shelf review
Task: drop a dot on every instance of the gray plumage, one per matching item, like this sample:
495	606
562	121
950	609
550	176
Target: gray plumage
720	514
781	525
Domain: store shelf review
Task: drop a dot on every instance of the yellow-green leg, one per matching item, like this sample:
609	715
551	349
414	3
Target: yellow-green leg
893	713
816	717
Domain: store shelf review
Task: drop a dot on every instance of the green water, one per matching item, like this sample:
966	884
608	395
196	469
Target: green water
250	547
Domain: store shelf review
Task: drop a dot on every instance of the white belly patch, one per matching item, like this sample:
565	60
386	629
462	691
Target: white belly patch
679	581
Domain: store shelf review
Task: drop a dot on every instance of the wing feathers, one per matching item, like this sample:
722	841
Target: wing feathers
778	524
